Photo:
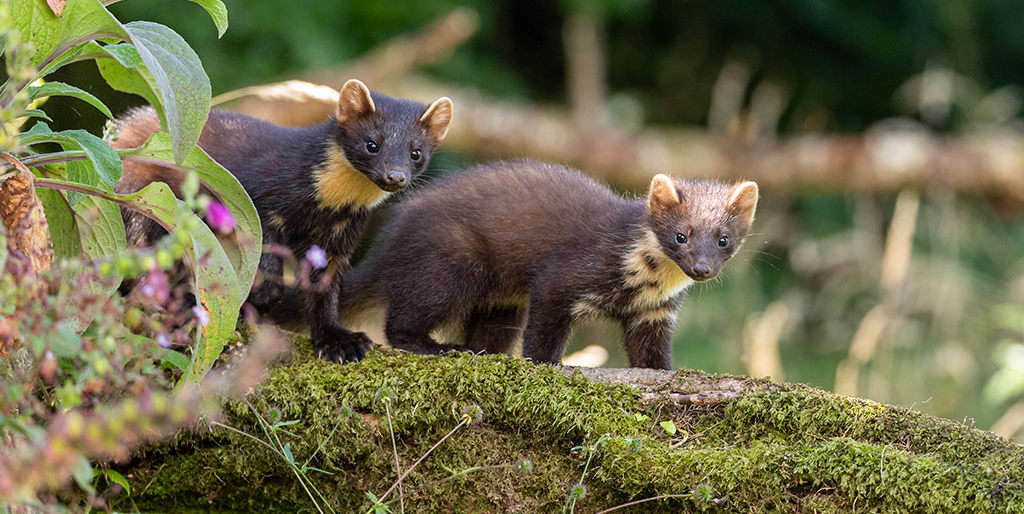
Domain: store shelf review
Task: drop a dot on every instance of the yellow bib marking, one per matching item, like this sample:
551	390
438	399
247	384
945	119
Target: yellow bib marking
340	185
654	286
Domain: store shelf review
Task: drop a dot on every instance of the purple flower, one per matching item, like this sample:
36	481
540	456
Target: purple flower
155	286
219	218
317	257
161	339
201	315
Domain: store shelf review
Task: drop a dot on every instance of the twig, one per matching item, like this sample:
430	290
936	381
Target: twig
637	502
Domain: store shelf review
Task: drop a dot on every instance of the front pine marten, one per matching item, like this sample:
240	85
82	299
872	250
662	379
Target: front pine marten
534	248
311	186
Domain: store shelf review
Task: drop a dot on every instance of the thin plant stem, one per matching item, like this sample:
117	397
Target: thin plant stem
398	466
298	474
465	421
323	443
637	502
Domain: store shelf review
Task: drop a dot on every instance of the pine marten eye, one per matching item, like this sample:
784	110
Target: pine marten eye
681	238
724	241
415	155
372	147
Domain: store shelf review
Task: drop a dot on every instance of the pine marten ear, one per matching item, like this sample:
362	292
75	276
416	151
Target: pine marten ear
354	102
437	118
743	201
663	195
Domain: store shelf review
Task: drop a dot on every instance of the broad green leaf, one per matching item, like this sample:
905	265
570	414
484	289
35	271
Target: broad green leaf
178	77
288	452
175	359
129	80
101	231
67	243
62	89
228	191
103	160
125	53
217	287
218	12
119	479
101	228
53	37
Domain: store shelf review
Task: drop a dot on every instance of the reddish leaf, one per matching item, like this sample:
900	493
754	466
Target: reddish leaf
23	218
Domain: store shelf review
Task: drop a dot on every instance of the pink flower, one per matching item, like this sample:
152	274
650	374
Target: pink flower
219	218
201	315
317	257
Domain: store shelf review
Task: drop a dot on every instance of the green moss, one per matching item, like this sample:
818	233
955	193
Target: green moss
786	448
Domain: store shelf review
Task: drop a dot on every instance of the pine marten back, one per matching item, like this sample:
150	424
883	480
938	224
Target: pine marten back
311	186
484	247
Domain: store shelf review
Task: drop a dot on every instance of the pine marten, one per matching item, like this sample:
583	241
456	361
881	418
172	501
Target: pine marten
311	186
482	248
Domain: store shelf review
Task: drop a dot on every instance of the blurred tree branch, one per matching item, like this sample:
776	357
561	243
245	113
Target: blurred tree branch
888	157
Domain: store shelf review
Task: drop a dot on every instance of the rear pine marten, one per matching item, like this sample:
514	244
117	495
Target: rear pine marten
311	186
482	248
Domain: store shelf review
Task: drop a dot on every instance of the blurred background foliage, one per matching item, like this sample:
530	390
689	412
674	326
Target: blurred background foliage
938	327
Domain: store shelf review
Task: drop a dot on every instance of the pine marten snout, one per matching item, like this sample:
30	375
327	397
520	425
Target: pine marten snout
530	249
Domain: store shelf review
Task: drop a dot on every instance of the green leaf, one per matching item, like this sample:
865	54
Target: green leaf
669	427
36	113
101	231
66	342
129	79
119	479
218	12
178	77
104	165
101	228
53	37
82	472
67	243
228	191
176	360
217	291
62	89
288	452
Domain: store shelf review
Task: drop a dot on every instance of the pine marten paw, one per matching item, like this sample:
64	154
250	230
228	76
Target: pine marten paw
340	345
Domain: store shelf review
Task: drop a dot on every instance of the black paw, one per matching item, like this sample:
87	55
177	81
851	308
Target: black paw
341	345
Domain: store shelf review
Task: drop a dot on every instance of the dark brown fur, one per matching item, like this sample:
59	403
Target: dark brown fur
481	247
311	186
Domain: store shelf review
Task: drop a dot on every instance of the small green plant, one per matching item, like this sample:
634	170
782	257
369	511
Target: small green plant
273	425
83	375
578	491
76	183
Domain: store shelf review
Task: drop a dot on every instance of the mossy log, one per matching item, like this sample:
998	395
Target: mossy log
753	446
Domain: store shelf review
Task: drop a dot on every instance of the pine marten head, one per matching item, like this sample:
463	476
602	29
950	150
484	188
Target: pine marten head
389	140
700	224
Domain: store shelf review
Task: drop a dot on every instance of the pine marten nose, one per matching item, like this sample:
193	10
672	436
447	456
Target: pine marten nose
395	178
701	270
